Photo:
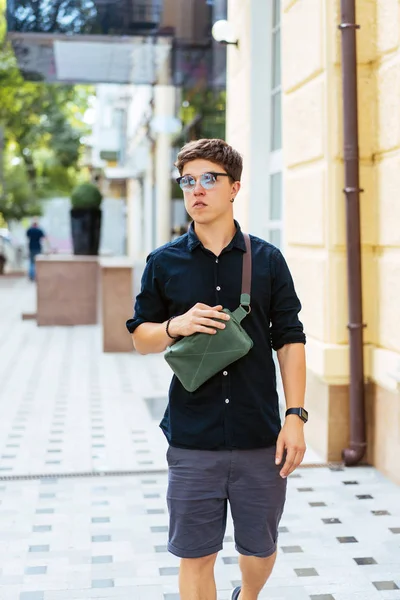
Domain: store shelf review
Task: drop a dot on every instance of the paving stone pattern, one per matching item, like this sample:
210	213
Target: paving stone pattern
104	537
66	406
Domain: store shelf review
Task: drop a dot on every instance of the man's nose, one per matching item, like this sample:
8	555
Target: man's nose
198	188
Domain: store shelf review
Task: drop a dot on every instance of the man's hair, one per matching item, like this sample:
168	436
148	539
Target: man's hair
217	151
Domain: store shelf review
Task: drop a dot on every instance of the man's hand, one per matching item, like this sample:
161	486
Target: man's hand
290	438
200	318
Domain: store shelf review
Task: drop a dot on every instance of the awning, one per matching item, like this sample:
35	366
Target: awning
93	59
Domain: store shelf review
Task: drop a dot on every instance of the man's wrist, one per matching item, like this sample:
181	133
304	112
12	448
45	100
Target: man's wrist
298	412
172	327
294	419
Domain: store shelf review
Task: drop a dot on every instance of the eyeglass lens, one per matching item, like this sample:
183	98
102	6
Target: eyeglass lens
207	181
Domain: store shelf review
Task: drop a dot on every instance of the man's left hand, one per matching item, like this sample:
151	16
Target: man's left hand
290	438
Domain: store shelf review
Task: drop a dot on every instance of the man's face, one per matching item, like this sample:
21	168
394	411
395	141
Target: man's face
208	202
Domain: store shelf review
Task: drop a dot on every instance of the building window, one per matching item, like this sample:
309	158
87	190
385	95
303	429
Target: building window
275	210
266	185
276	113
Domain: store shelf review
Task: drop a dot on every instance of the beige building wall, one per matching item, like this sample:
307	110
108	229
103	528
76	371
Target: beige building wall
315	205
384	401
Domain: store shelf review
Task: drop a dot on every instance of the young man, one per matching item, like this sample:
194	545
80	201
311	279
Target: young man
35	236
225	439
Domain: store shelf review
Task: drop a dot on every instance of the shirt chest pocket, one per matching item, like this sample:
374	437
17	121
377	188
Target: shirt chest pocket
184	290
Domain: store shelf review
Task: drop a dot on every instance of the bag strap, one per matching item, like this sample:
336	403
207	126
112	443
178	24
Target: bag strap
246	274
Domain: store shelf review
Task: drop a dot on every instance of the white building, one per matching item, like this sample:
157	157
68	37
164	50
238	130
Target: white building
137	130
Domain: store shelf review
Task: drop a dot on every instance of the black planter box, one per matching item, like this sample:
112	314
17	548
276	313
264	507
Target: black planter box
85	229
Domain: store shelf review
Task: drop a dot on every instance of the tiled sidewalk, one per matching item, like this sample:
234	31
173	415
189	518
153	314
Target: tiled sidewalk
65	539
67	408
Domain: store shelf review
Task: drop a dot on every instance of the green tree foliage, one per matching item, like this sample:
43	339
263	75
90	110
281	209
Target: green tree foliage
203	113
38	116
76	16
42	125
59	16
17	201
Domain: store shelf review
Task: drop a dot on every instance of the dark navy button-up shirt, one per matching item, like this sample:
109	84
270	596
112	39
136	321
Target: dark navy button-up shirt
238	407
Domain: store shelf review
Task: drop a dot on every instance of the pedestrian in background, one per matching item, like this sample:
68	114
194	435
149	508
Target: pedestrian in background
226	442
35	236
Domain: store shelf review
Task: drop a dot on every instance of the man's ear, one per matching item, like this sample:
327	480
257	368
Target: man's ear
235	190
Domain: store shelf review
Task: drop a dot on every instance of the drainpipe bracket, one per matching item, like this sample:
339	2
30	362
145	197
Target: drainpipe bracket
349	26
358	444
356	325
350	190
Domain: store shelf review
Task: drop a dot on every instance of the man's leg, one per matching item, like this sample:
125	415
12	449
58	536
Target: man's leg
257	496
196	578
31	270
197	504
255	574
32	265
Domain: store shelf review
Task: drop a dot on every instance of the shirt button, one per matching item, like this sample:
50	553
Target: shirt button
216	260
225	373
227	401
218	288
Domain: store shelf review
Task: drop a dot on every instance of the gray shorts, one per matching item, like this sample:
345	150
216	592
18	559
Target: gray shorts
200	484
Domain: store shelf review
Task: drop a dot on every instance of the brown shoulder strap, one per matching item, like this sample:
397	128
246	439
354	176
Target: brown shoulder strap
246	272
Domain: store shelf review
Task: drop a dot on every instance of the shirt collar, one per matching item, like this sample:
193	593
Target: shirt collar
236	242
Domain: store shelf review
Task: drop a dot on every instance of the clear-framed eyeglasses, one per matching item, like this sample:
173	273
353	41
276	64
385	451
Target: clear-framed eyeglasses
208	180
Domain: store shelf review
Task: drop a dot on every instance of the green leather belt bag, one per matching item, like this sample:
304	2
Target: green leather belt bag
196	358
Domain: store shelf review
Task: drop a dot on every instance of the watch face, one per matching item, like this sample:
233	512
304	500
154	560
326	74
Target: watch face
304	414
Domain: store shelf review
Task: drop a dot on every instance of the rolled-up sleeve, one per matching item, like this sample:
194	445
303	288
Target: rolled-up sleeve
150	306
285	327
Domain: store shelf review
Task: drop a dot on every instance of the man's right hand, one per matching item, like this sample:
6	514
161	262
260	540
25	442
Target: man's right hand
200	318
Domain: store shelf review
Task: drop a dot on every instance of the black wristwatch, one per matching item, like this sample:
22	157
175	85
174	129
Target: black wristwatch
300	412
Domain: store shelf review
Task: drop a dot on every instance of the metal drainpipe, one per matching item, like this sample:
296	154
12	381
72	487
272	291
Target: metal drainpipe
356	451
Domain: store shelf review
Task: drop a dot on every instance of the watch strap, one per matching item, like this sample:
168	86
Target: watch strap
300	412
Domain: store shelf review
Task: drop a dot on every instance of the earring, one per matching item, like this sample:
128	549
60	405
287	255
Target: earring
233	199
